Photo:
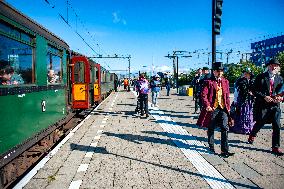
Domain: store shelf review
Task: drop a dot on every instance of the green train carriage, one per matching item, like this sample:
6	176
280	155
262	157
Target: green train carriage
28	108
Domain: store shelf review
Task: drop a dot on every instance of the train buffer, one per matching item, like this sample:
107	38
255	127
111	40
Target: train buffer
115	148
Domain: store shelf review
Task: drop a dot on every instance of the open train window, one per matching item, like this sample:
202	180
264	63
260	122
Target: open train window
79	72
16	56
54	65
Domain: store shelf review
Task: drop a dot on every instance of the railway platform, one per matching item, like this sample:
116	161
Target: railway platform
115	148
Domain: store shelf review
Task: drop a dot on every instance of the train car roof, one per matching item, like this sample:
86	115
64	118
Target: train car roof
12	13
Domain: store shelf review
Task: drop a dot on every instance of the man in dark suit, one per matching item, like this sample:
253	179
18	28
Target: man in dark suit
215	98
267	104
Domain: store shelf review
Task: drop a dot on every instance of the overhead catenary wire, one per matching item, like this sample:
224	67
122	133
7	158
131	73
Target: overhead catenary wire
68	24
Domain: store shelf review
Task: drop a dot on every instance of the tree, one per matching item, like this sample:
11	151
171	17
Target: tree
280	57
234	71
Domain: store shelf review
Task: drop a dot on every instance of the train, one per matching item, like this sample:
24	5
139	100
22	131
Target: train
43	84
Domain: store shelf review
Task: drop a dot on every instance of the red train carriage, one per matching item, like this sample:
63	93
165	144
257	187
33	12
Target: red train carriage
80	79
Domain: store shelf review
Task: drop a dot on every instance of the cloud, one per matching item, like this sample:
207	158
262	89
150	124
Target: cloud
163	68
219	40
116	18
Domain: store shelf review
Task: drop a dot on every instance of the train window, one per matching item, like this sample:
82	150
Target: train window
96	75
15	32
79	72
16	62
54	59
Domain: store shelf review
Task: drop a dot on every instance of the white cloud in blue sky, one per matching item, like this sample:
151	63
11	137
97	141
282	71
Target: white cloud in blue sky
116	18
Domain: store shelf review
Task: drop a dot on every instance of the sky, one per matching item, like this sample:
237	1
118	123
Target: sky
148	30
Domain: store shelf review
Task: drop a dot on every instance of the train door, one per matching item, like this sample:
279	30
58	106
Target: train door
80	77
97	84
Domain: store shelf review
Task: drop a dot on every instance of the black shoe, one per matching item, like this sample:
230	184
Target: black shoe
147	115
277	152
226	154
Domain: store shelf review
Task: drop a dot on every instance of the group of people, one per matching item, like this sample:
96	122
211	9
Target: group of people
200	76
9	77
143	88
256	102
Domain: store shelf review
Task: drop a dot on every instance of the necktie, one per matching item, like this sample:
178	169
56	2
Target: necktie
271	86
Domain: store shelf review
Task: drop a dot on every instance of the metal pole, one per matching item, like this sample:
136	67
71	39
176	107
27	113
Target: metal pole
128	73
213	34
177	75
174	65
228	57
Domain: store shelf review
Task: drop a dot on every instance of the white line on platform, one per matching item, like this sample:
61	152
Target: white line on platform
75	184
102	126
105	118
94	144
24	181
103	121
186	140
89	154
88	117
83	168
97	137
99	131
110	108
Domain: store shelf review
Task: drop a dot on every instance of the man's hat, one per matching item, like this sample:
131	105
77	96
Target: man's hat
272	61
205	68
217	66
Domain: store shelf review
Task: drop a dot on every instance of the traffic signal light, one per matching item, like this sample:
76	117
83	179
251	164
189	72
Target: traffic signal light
217	16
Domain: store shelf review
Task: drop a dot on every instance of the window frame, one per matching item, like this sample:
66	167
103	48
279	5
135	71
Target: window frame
22	30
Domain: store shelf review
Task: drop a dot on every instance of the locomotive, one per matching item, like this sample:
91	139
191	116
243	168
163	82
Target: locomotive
43	85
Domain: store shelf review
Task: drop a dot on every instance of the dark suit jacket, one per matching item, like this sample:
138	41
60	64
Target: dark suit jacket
208	96
261	89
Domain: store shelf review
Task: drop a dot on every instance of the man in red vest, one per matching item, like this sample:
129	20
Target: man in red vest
216	101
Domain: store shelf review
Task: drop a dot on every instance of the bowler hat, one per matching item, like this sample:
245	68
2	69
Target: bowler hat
273	61
205	68
217	66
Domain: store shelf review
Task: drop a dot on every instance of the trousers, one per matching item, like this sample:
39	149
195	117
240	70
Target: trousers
219	119
269	115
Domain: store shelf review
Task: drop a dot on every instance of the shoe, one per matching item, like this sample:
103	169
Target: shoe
147	115
226	154
251	139
277	152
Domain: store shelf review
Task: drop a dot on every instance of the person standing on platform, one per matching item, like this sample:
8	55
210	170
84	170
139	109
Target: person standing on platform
243	104
197	90
216	99
125	83
267	104
143	89
205	75
155	88
168	85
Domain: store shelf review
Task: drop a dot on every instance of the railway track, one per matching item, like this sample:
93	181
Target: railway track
22	158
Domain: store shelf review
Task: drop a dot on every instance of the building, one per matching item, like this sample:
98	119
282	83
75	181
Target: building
263	51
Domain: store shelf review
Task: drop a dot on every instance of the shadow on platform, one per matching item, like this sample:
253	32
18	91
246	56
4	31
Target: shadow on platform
103	150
